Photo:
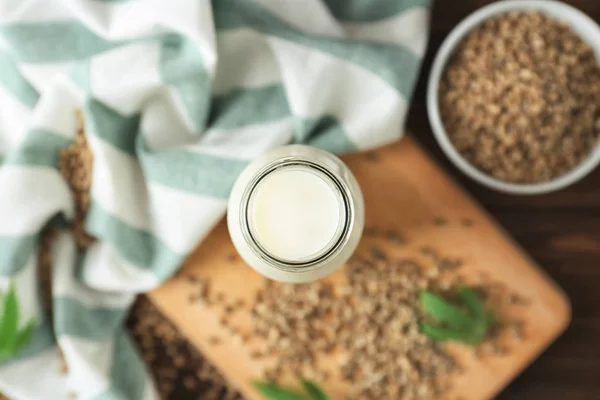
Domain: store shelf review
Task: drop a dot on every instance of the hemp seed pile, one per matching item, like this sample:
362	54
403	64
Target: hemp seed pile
368	324
520	98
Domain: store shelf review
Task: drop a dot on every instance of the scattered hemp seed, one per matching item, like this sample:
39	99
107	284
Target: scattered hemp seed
371	231
395	238
192	298
239	303
75	164
229	309
377	254
224	321
214	340
219	297
370	323
467	223
371	156
373	320
429	252
440	221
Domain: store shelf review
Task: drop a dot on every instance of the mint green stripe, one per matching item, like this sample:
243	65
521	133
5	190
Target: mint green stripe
396	65
15	252
80	74
128	373
371	10
111	126
214	176
111	394
53	41
137	247
325	133
226	16
75	319
41	339
101	324
12	81
181	66
40	148
241	107
192	172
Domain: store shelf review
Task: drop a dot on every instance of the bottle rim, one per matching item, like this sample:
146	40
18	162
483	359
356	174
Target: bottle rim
324	256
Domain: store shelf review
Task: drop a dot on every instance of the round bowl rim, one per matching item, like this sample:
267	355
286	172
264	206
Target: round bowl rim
439	64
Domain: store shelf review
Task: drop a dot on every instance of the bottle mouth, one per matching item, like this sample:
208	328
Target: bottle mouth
332	241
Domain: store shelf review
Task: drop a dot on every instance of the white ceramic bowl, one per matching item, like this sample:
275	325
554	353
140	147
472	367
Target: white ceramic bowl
587	29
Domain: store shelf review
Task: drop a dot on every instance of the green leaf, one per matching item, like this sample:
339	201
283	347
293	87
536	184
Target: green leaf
490	318
472	301
24	336
10	318
452	322
478	333
442	334
443	311
314	391
11	339
485	319
275	392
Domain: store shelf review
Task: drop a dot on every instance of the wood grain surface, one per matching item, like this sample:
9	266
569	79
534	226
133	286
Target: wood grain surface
561	231
404	192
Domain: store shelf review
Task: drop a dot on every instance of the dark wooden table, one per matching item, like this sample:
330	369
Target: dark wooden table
561	231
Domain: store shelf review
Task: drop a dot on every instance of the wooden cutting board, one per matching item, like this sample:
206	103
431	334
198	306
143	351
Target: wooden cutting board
404	191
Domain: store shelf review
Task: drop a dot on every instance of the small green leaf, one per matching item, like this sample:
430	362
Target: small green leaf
10	318
485	319
24	336
490	318
275	392
443	311
452	322
472	301
11	339
478	333
314	391
442	334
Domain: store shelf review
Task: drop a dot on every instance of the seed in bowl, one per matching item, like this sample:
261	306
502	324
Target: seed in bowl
520	98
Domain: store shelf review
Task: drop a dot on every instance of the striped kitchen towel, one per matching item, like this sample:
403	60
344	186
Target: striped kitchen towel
178	96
